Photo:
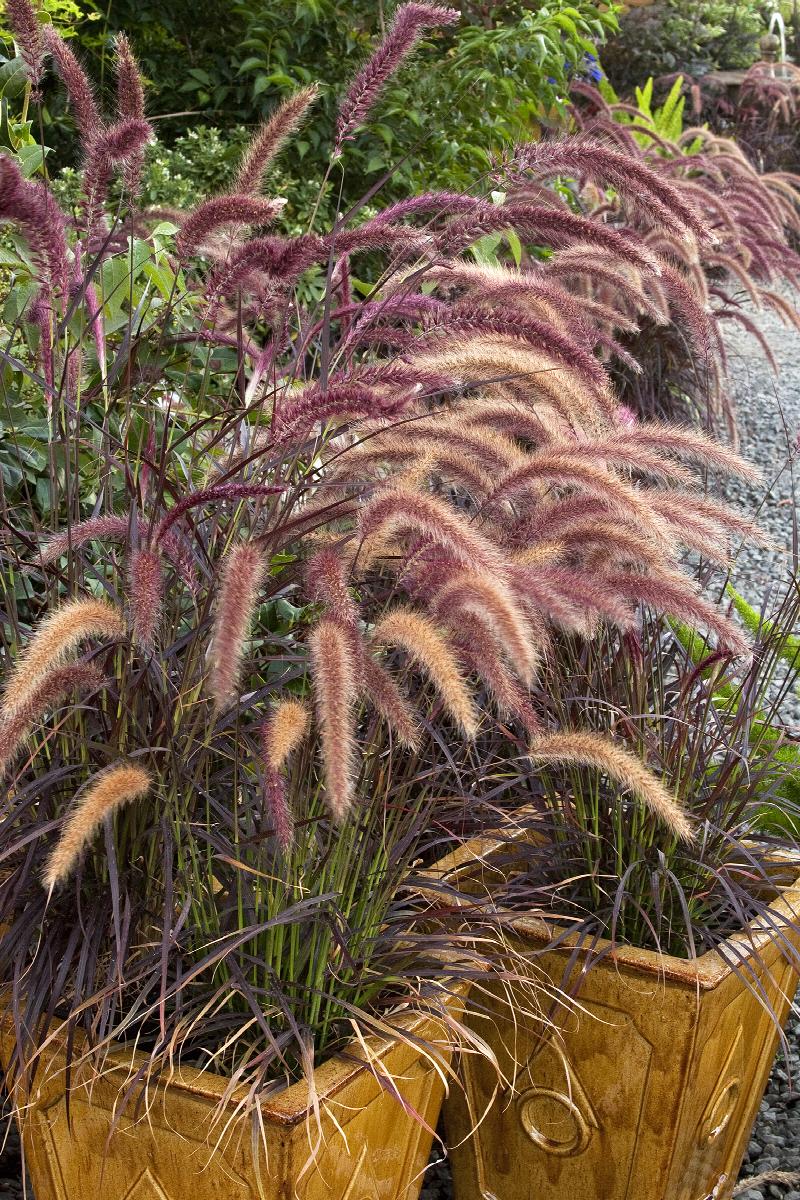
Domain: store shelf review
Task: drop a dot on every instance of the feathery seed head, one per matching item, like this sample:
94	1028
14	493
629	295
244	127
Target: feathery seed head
243	571
622	767
49	692
406	29
335	692
269	139
99	528
285	729
24	22
106	794
54	640
428	648
145	596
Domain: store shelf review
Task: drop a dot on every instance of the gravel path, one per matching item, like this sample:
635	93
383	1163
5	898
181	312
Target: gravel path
769	419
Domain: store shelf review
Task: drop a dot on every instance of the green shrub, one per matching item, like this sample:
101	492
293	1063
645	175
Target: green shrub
490	81
684	35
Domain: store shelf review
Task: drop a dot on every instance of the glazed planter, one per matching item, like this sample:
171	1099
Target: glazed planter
363	1145
651	1088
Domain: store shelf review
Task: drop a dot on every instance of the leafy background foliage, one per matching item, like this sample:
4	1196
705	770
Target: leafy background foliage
471	90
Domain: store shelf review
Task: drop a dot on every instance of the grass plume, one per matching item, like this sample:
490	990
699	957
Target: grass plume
105	795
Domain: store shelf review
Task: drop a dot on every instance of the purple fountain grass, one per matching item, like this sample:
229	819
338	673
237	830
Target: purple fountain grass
31	206
79	88
428	649
588	749
494	604
212	495
221	211
405	31
270	138
673	593
16	726
55	639
659	200
379	688
145	593
286	728
130	106
335	691
396	509
121	784
242	575
350	533
120	145
101	528
748	218
27	31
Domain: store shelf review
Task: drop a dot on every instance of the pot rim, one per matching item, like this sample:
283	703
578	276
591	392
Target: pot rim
706	971
290	1106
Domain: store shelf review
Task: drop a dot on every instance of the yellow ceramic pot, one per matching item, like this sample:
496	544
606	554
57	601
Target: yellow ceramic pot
362	1145
650	1090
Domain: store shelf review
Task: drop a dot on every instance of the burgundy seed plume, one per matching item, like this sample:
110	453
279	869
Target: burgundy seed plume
130	106
379	689
214	214
335	691
99	528
61	682
221	491
243	571
79	89
145	595
405	31
41	222
270	137
662	201
122	144
28	35
397	509
130	89
326	582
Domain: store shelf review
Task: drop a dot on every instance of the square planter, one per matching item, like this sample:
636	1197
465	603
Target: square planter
650	1089
363	1145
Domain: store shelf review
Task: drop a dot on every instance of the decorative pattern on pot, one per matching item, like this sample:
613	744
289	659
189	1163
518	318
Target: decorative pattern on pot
649	1090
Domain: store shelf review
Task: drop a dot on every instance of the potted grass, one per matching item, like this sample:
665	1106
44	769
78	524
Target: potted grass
679	955
271	534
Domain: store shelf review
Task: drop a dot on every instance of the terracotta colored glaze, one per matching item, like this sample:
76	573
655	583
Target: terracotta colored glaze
651	1088
172	1152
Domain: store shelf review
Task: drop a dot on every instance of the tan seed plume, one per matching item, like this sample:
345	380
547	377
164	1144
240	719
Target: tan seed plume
429	649
55	639
594	750
286	729
107	793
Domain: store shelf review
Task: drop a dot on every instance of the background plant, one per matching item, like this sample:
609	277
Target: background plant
671	358
487	82
680	35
